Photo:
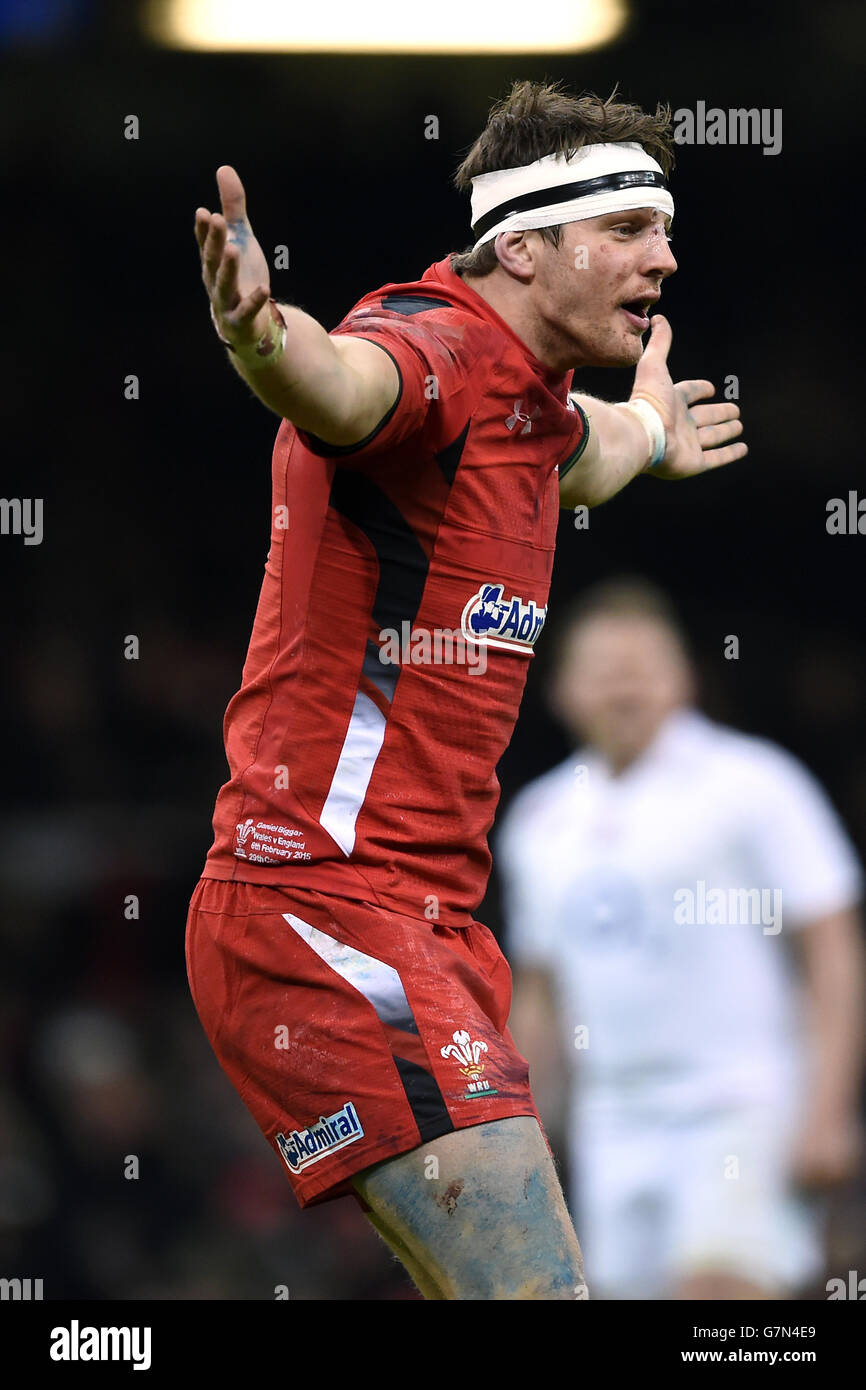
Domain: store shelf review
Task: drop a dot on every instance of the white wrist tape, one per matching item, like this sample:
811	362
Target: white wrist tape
655	430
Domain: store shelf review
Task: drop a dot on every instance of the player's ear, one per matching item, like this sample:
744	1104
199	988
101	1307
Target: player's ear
514	254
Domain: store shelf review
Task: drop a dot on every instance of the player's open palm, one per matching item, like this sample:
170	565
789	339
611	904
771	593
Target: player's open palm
235	272
699	437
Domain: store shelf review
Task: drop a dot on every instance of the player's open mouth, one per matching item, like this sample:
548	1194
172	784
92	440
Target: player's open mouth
635	311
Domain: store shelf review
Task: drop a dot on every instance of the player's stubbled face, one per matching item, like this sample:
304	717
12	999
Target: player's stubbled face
595	288
619	680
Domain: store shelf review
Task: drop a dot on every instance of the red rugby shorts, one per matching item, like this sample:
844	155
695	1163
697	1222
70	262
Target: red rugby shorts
351	1033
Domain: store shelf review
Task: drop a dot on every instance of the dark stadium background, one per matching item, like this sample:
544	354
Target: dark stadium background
156	524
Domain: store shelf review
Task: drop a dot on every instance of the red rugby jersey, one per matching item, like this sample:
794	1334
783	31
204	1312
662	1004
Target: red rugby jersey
363	759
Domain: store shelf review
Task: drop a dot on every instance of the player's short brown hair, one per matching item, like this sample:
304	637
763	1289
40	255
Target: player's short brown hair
627	596
540	118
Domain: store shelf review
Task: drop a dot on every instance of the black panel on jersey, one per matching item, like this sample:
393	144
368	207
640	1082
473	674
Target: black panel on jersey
448	458
413	303
425	1099
403	564
383	674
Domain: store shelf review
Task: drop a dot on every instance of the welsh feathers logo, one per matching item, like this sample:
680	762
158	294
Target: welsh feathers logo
467	1053
244	831
498	621
464	1050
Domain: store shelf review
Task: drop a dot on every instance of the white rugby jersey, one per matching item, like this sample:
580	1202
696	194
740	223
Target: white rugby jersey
661	900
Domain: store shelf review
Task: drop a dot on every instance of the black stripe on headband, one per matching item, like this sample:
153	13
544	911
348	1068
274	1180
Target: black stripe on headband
564	192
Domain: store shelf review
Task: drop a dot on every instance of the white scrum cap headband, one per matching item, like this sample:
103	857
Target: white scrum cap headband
595	180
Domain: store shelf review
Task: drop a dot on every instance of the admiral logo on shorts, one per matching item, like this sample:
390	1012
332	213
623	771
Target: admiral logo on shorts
498	621
306	1146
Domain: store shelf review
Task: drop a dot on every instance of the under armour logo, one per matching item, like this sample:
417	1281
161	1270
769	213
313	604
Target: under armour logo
519	415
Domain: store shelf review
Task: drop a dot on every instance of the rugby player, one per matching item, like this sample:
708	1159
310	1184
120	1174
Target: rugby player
425	448
689	977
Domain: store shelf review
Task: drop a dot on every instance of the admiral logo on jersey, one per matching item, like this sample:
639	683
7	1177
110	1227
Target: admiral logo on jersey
491	618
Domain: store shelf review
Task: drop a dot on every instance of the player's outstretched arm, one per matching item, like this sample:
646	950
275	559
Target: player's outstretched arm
697	437
337	388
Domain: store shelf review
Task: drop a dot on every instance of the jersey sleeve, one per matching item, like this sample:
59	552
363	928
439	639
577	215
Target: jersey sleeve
527	900
436	356
800	843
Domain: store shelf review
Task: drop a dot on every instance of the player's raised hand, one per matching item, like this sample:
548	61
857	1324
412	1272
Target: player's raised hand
233	266
699	437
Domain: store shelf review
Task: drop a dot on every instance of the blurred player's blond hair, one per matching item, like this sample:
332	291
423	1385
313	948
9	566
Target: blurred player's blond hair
628	596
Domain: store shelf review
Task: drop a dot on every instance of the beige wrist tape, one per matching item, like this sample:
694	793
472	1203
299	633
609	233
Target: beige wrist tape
269	347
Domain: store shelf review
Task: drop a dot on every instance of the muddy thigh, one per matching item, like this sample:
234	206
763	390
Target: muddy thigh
478	1214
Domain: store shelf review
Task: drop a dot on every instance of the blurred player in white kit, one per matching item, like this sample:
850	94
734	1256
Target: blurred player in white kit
681	902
